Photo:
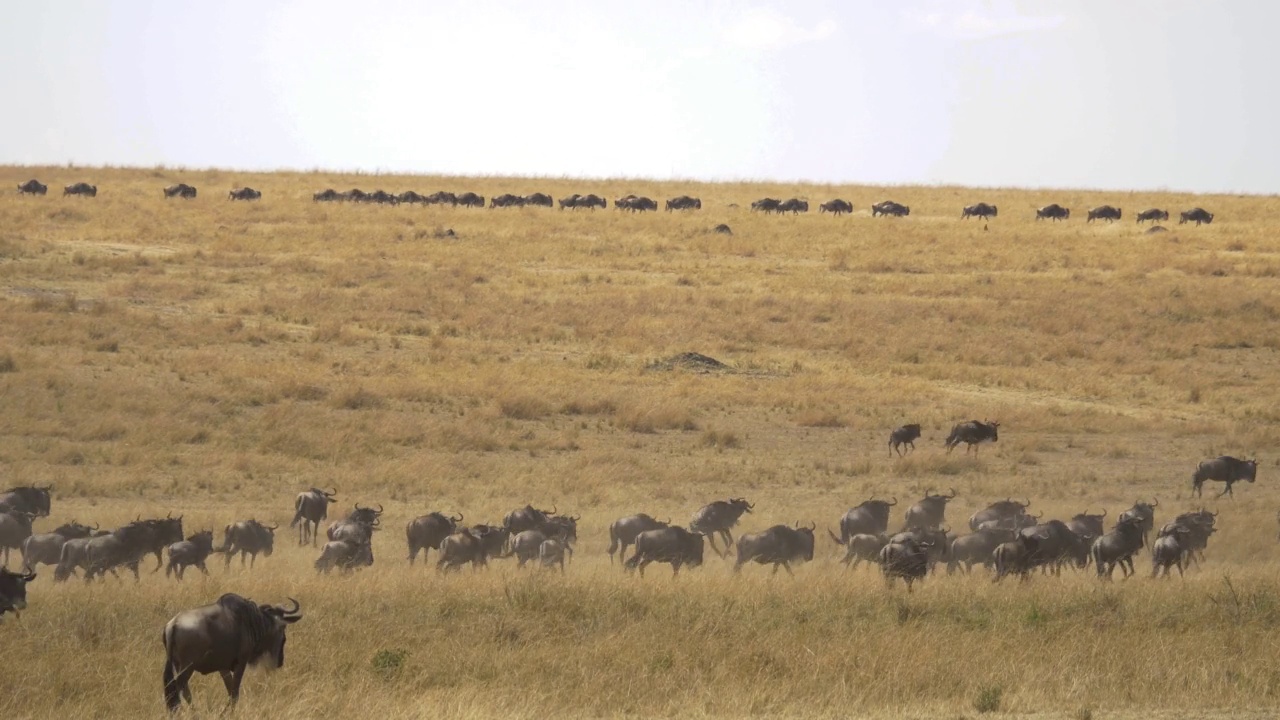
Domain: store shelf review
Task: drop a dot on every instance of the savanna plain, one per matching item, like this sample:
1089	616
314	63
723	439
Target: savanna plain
212	359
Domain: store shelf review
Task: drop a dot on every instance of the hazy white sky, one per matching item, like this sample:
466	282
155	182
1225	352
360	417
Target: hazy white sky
1119	94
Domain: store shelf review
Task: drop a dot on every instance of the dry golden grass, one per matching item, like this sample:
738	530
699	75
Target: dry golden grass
214	358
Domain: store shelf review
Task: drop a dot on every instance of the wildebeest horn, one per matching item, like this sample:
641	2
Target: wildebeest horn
554	509
273	527
331	494
95	526
928	492
29	577
379	508
750	505
290	611
668	520
1037	517
1214	514
575	518
168	515
953	492
358	505
895	500
1104	512
1155	502
457	519
812	526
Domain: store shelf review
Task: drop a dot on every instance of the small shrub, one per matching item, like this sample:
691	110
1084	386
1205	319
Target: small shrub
7	364
988	699
523	407
720	440
387	664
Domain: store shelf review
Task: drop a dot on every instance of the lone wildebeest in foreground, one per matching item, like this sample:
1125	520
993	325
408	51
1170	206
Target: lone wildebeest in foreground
905	435
309	508
1225	469
716	519
225	637
13	591
972	434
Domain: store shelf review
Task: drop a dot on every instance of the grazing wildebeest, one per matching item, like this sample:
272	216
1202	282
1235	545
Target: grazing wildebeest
1053	212
82	189
871	517
75	555
462	547
411	198
346	554
34	500
1168	550
1153	215
1086	524
225	637
860	548
358	525
717	519
1004	512
908	560
328	195
978	548
33	187
552	551
1017	557
836	207
1225	469
982	210
244	193
181	190
426	532
684	202
506	200
889	207
192	551
1196	215
15	528
794	206
13	591
526	518
248	537
972	434
309	508
1118	547
539	200
780	546
673	545
768	205
470	199
46	548
930	512
623	532
441	197
1104	212
1146	512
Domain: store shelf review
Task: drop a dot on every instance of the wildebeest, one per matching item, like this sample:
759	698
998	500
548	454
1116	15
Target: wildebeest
871	517
982	210
83	189
1196	215
780	546
353	195
539	200
493	539
635	203
674	545
1224	469
722	229
29	499
225	637
1168	550
978	548
248	537
684	202
526	518
889	207
244	193
623	532
192	551
15	528
1086	524
13	591
441	197
328	195
1199	526
908	560
506	200
1053	212
127	546
470	199
1153	215
937	540
181	190
426	532
528	545
358	525
46	548
1001	511
1146	513
1118	547
552	551
836	207
930	512
410	197
794	206
380	197
462	547
33	187
717	519
1057	545
860	548
309	508
767	205
1018	556
1104	212
75	555
346	554
575	201
973	433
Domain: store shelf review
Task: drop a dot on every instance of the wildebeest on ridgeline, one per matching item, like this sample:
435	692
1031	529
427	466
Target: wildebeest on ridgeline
717	519
33	187
83	189
889	207
1104	212
470	199
590	201
973	433
539	200
1224	469
905	435
309	508
795	206
767	205
506	200
673	545
1196	215
244	193
1054	212
981	210
181	190
684	202
780	546
225	637
836	207
1153	215
13	591
248	537
425	533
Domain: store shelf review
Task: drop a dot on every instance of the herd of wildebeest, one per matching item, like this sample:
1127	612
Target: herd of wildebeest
232	633
634	203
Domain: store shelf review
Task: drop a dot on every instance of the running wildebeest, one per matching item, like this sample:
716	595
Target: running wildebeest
1104	212
1146	512
623	532
426	532
526	518
248	537
506	200
1053	212
973	434
937	540
409	197
470	199
981	210
1196	215
780	546
379	197
225	637
127	546
441	197
716	520
75	555
1224	469
539	200
1057	545
673	545
908	560
462	547
15	528
33	187
795	206
871	517
889	207
683	202
353	195
836	207
29	499
551	553
768	205
1199	526
1004	512
346	554
1118	547
637	204
1153	215
83	189
13	591
244	193
359	525
1169	551
46	548
930	512
1017	557
978	548
493	540
1086	524
309	508
328	195
860	548
192	551
529	545
181	190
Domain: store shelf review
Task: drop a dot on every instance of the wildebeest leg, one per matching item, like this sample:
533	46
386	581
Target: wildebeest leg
159	561
168	570
413	553
202	567
232	680
1228	491
134	567
253	558
711	538
785	566
728	540
911	444
176	687
642	565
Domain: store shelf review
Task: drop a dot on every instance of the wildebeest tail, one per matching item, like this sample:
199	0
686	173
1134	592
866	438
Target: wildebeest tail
172	691
835	539
613	542
297	512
